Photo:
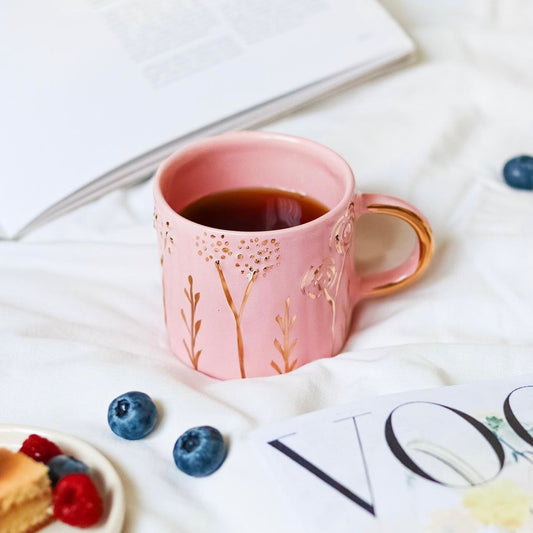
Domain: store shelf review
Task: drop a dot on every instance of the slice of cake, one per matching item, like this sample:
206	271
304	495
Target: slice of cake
25	493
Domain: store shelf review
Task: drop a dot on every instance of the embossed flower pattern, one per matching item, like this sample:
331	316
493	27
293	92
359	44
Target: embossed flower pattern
342	233
318	280
325	279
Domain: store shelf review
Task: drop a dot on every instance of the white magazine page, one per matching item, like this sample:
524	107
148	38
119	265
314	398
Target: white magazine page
456	459
319	464
449	460
88	85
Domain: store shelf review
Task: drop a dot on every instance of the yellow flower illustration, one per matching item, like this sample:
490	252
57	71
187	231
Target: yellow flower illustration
453	520
502	503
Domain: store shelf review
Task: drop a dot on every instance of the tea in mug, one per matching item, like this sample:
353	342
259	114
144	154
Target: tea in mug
254	209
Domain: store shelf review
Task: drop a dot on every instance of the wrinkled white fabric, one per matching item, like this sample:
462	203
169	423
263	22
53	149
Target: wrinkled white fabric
80	308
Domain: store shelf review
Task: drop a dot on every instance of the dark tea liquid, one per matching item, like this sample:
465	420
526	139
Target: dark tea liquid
253	209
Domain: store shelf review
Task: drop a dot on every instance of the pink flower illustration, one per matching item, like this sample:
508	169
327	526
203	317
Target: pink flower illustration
318	280
325	279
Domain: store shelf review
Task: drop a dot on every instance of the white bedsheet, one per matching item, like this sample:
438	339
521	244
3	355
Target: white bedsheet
80	309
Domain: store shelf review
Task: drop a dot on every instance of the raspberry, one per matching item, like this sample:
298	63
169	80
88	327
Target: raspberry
39	448
77	502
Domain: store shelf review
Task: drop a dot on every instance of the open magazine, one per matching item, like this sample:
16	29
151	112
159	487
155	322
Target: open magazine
455	459
95	93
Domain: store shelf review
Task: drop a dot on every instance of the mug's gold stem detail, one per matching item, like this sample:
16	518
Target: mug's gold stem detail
193	326
425	246
237	315
285	325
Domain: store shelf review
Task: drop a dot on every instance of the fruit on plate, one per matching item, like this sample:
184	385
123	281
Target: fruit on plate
28	501
39	448
518	172
200	451
63	465
77	502
132	415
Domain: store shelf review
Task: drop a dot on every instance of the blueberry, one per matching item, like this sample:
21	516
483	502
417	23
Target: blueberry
518	172
63	465
132	415
200	451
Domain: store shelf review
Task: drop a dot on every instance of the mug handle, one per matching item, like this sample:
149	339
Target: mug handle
398	277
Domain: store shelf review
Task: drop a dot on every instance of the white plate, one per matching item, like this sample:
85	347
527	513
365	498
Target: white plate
102	472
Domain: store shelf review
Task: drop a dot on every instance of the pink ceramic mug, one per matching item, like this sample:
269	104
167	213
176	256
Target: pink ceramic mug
260	303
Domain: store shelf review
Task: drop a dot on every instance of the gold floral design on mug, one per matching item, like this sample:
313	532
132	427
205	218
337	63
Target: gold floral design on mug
342	233
254	256
166	241
285	323
321	280
341	239
325	279
192	325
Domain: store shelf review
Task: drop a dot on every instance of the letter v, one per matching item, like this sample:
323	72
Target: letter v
297	458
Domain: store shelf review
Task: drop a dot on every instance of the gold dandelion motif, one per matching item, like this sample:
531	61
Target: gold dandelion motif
252	267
